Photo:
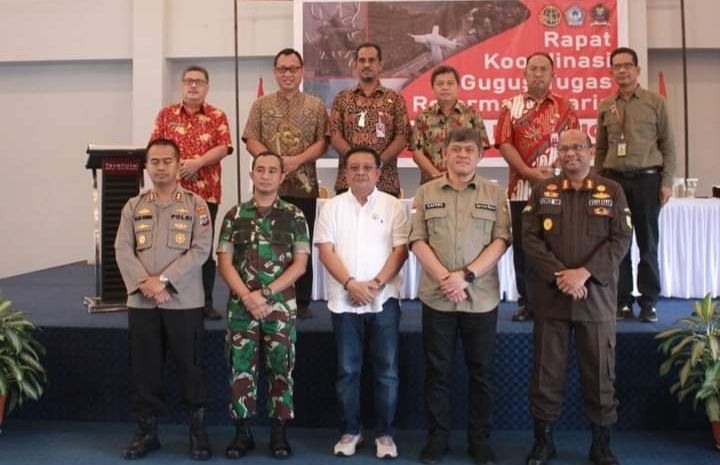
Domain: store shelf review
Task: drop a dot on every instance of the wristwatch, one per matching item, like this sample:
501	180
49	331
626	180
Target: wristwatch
267	294
469	275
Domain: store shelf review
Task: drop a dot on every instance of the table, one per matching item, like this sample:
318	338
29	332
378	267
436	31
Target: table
688	254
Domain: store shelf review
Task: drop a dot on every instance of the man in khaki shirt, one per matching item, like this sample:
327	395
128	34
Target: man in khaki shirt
163	240
636	148
460	229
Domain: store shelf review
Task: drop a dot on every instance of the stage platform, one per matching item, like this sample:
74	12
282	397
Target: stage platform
87	364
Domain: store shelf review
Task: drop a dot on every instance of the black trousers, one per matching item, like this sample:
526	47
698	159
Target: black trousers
303	286
440	333
154	333
595	346
643	197
523	266
209	268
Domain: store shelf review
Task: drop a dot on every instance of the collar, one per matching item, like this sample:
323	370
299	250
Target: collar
636	93
445	182
457	108
181	108
565	184
252	204
370	198
379	89
549	96
178	194
295	94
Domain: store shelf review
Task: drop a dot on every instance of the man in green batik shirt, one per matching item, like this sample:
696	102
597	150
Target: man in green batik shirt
263	249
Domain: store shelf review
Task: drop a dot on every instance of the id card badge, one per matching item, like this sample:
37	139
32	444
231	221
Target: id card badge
380	130
622	149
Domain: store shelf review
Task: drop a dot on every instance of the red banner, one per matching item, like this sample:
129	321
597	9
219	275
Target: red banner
486	41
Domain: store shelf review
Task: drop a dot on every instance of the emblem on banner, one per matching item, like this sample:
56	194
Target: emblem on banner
600	15
550	16
179	238
547	224
575	16
141	239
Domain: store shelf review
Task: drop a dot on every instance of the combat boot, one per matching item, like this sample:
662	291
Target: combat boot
199	442
279	445
242	443
600	453
145	439
544	447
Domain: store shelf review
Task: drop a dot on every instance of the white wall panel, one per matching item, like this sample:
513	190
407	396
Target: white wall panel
52	111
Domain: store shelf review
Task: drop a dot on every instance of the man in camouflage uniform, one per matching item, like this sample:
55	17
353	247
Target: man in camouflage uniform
263	249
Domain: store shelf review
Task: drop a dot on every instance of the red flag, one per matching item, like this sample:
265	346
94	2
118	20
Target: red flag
662	90
261	89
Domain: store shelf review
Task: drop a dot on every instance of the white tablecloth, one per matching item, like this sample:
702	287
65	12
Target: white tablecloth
688	253
689	249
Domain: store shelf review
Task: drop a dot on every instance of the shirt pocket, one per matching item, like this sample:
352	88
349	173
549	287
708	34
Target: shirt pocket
599	221
550	219
438	230
482	223
179	235
143	234
282	245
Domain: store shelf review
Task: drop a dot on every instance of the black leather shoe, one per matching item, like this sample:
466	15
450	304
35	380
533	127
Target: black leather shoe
624	312
242	443
434	449
210	313
522	313
303	312
543	448
482	453
279	445
199	442
145	439
648	315
600	453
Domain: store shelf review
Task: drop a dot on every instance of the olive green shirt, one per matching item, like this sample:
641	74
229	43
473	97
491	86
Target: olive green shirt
644	121
458	225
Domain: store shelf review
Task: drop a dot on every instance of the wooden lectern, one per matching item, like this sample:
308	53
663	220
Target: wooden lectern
122	177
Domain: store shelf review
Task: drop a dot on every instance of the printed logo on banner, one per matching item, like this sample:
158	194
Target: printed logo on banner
575	16
600	15
550	16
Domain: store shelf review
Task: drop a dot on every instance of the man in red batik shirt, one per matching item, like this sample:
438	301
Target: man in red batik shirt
202	133
526	135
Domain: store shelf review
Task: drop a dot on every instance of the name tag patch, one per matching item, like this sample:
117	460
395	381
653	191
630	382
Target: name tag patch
601	202
175	216
546	201
486	206
432	205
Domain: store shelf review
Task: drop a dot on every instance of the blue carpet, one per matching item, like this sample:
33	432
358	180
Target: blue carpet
74	443
53	298
88	367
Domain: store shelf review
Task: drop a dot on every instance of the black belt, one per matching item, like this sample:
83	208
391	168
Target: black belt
632	173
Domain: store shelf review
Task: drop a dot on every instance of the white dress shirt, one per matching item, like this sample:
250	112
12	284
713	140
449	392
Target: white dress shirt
363	236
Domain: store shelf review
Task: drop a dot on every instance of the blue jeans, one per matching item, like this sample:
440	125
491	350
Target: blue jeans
382	329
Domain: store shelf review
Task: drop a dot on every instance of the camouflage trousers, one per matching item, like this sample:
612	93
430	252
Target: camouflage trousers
277	335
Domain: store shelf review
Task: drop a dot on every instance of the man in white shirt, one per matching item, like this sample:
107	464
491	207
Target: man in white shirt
362	238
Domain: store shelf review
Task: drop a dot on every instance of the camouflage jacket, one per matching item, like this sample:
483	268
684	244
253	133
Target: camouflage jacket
263	242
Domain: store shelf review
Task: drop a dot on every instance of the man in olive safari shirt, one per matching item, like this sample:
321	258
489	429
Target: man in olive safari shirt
460	228
635	147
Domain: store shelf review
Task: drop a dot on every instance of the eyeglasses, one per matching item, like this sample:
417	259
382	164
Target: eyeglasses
573	147
625	66
194	82
287	69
